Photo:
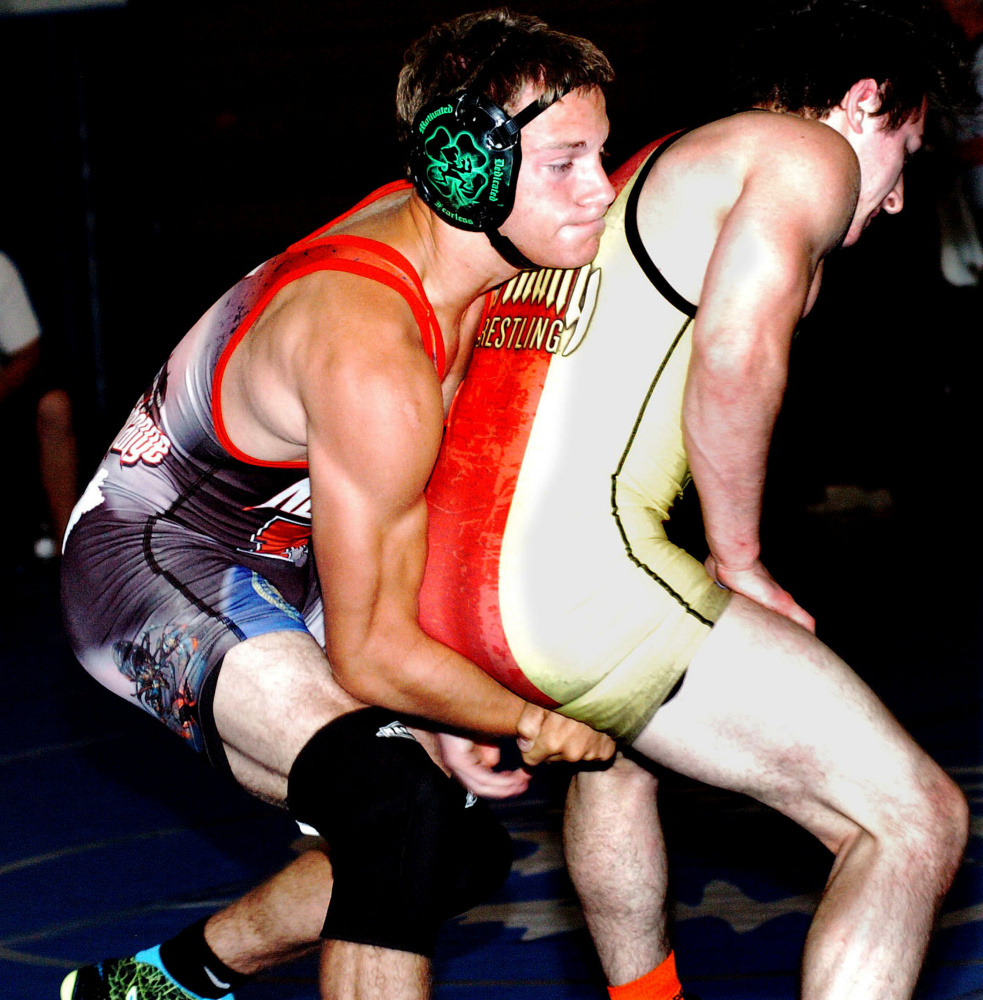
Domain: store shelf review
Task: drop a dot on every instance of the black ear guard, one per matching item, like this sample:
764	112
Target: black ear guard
465	157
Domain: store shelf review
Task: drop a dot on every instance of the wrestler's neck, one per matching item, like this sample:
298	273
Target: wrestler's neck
456	267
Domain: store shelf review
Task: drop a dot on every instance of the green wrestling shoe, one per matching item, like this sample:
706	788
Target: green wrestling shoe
141	977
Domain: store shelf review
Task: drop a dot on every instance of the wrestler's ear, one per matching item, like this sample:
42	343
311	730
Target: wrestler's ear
860	102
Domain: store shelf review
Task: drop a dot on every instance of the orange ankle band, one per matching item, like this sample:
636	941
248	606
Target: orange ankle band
661	983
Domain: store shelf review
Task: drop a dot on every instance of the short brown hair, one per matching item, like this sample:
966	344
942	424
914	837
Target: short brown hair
805	59
500	52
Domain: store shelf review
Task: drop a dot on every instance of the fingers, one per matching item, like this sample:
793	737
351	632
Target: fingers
560	738
496	784
532	755
487	754
473	765
528	728
758	585
801	617
782	603
604	748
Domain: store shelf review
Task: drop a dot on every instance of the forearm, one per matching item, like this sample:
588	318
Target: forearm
413	673
727	428
727	434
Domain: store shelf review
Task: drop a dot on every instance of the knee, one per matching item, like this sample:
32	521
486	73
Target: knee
632	777
397	829
946	821
624	779
478	856
928	831
54	413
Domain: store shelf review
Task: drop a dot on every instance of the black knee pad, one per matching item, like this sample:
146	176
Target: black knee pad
479	854
396	828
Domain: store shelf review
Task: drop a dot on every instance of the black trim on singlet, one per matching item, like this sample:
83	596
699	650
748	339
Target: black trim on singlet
203	710
687	308
148	529
644	567
634	238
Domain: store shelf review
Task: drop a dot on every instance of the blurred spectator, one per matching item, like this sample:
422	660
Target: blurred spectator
961	204
36	423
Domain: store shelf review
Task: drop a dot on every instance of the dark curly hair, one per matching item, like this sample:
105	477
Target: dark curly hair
499	52
808	58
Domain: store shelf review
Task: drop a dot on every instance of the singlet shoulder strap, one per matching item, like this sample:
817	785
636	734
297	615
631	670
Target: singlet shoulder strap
634	238
379	262
354	255
372	259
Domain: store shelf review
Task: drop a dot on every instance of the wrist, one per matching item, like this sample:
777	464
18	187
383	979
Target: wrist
740	561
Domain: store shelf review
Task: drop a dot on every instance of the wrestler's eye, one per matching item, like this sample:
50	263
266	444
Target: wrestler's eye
561	168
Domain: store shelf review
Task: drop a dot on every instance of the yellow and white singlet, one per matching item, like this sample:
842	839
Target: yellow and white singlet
549	565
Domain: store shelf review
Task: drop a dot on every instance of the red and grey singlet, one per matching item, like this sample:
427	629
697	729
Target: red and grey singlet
182	545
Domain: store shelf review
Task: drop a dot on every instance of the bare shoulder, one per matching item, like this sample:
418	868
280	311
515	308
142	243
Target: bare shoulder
333	316
797	177
791	155
325	340
799	151
750	136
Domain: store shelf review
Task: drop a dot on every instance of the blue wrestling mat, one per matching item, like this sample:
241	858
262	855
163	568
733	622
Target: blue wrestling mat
113	836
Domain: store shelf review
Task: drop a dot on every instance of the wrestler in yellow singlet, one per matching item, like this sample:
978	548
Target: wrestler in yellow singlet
549	564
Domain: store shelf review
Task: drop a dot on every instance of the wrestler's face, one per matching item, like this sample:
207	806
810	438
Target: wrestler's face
562	191
883	153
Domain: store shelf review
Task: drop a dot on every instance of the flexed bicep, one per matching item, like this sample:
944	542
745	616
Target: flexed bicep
372	443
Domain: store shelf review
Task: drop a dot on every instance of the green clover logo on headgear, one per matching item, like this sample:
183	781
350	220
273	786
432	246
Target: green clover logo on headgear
458	168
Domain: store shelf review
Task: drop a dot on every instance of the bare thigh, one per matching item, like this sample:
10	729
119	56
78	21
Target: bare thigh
766	709
274	692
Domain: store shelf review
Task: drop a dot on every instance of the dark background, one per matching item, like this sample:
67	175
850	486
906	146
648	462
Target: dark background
154	153
157	152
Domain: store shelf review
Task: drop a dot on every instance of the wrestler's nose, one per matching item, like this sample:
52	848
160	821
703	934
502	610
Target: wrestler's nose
597	188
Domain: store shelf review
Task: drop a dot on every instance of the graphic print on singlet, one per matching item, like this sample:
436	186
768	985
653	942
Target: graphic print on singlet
287	532
549	565
182	544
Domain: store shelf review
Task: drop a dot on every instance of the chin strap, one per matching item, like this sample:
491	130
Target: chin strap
503	245
509	251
